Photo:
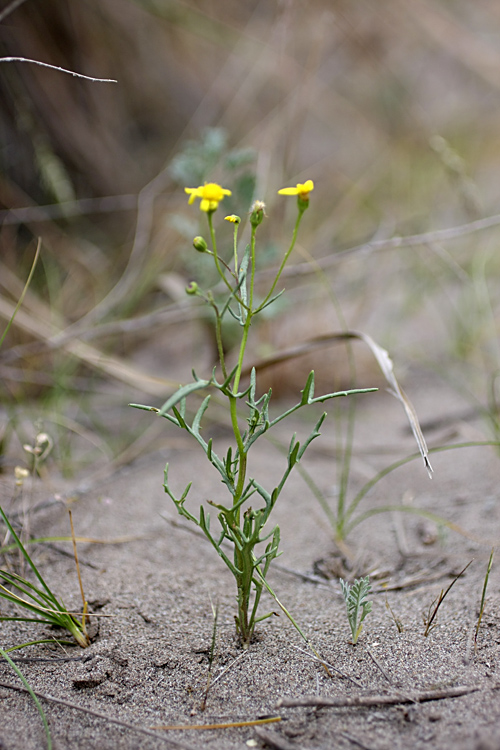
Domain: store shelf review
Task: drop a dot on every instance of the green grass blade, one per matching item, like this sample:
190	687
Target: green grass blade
27	557
30	691
21	298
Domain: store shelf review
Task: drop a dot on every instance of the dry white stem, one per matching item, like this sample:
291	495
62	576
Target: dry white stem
56	67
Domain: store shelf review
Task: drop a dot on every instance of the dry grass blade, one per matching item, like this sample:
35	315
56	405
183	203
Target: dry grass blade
99	715
220	725
112	366
23	293
483	596
384	362
272	739
440	599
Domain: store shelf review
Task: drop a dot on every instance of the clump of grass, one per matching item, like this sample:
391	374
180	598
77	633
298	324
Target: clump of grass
37	598
357	604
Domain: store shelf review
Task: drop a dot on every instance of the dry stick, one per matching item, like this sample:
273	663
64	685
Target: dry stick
10	8
221	725
274	740
427	238
99	715
440	600
367	701
56	67
326	664
226	669
378	665
355	741
65	209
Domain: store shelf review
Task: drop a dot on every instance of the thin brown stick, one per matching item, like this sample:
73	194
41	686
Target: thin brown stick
325	664
75	553
414	240
366	701
99	715
355	741
272	739
378	665
10	8
221	725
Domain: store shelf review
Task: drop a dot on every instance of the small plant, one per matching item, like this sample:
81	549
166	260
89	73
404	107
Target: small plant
483	596
37	599
357	605
241	540
434	606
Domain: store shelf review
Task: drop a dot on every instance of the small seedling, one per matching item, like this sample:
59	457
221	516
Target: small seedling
432	612
358	607
483	597
37	599
397	622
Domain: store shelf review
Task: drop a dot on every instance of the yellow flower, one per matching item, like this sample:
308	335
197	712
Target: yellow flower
210	193
301	189
233	219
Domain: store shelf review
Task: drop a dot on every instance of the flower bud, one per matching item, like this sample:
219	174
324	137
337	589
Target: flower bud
20	474
200	244
192	288
257	214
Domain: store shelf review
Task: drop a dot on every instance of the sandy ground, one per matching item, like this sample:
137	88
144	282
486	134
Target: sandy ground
148	663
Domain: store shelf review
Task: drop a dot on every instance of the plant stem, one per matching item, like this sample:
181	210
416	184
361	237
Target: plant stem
284	261
215	254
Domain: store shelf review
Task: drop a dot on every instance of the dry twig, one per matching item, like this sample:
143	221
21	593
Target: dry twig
367	701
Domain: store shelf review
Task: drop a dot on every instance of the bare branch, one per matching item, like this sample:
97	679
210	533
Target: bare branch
56	67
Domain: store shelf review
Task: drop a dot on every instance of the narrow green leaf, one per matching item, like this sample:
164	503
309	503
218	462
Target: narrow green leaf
184	391
199	416
308	392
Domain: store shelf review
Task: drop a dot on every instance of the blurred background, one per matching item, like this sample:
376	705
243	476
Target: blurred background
392	108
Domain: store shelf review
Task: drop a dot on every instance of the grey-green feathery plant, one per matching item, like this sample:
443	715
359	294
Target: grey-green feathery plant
241	533
357	605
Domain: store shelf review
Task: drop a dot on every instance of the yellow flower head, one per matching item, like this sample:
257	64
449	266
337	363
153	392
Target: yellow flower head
302	190
210	193
233	219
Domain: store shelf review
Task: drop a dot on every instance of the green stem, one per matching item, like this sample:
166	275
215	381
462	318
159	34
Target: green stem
218	338
284	261
215	254
235	249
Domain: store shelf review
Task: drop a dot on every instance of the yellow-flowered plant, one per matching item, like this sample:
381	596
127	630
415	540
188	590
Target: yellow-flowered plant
210	194
301	189
243	518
